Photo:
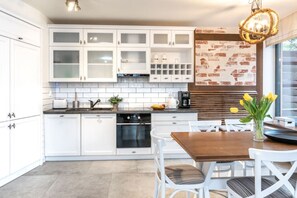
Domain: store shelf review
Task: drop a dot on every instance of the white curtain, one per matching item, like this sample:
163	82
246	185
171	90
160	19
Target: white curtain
287	30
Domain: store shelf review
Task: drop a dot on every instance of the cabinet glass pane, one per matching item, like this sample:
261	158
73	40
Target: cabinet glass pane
66	64
100	38
66	37
182	39
127	38
100	64
160	38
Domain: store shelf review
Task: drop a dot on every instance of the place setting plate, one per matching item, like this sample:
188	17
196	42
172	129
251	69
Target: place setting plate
285	136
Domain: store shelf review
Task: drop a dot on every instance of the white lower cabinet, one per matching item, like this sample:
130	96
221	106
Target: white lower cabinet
4	149
165	123
20	145
98	134
25	147
62	135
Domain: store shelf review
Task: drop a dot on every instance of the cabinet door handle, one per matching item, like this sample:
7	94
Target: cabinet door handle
61	116
165	78
172	43
80	78
133	151
13	115
119	42
85	78
173	116
169	43
173	122
13	125
9	126
9	115
20	38
80	42
85	42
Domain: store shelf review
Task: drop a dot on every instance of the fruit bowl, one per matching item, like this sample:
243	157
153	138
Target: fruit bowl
158	107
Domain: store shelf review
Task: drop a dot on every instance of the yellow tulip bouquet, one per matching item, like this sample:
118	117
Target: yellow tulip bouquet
257	112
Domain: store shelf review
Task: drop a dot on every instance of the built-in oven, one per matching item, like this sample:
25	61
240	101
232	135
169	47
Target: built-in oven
133	133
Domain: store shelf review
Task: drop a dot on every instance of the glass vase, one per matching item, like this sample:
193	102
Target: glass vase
258	130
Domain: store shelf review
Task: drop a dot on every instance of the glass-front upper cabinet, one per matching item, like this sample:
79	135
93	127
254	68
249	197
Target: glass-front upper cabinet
133	38
65	64
176	39
182	38
100	64
66	37
133	61
104	38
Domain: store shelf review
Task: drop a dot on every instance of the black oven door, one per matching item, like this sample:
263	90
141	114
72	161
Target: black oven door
133	135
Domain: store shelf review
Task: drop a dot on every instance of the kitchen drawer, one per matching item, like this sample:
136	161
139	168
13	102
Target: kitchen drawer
136	151
166	78
19	30
155	78
174	116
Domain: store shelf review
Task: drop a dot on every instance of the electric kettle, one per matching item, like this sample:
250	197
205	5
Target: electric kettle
172	103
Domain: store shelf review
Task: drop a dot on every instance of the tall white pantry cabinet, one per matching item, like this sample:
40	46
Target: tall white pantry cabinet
20	101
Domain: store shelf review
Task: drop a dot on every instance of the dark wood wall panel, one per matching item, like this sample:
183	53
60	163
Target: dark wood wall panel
216	106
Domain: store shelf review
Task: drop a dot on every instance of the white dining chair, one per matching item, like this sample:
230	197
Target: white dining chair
182	177
281	185
236	126
212	126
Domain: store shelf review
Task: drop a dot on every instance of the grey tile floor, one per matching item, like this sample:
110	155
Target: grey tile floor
89	179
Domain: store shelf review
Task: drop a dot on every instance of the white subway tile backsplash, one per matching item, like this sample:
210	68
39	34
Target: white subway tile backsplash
143	90
150	95
67	90
74	85
113	90
83	90
136	95
98	90
136	92
158	89
129	90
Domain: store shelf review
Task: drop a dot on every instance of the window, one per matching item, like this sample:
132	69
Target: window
286	78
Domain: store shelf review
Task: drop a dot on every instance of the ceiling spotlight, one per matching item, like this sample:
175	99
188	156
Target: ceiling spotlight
72	5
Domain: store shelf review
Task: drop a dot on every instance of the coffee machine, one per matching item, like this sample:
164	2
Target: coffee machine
184	99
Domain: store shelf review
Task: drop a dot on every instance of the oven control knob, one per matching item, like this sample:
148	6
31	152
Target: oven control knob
138	117
128	117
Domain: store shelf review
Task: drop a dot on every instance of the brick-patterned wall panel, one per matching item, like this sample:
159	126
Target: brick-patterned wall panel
215	106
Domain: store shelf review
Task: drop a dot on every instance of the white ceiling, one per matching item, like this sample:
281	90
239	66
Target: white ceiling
208	13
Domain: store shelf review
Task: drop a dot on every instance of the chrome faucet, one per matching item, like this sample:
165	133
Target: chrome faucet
92	104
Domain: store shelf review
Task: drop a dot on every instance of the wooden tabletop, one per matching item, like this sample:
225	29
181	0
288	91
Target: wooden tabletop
223	146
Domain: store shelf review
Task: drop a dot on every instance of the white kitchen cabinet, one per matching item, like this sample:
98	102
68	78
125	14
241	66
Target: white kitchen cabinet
20	82
133	60
98	134
133	38
4	79
19	30
175	38
165	123
25	143
66	64
4	149
25	80
62	134
99	64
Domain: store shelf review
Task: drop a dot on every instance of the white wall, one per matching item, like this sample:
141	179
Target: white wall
269	74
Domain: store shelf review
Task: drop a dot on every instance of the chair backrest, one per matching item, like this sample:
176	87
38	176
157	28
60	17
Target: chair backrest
158	144
204	125
267	157
236	125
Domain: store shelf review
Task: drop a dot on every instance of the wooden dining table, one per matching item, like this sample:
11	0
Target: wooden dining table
211	147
